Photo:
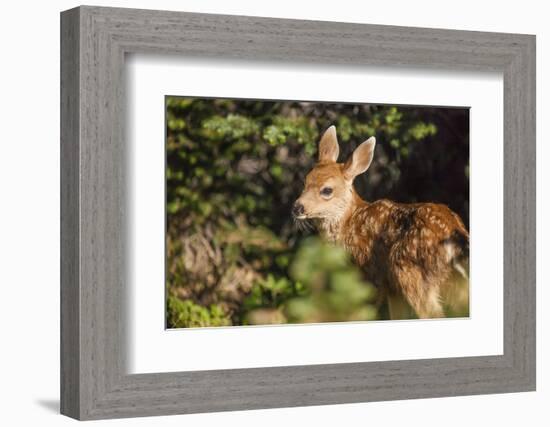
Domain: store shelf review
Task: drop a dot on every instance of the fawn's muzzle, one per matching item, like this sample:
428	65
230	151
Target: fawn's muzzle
298	210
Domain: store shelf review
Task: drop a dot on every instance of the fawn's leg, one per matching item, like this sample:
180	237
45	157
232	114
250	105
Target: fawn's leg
419	291
428	306
399	308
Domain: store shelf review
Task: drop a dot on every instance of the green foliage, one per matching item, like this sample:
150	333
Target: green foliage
233	127
334	288
187	314
271	292
234	169
324	286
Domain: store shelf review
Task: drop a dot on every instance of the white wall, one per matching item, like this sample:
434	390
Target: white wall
29	224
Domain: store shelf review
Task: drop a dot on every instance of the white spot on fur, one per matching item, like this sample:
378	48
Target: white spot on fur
458	267
449	251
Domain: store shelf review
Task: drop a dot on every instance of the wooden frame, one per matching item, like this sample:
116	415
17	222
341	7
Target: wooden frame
94	41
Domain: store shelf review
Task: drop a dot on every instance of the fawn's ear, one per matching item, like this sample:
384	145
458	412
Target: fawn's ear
360	160
328	147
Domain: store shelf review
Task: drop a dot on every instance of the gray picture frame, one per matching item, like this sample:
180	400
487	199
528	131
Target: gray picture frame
94	42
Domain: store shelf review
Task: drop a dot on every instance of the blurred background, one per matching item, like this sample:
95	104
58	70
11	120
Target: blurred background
234	169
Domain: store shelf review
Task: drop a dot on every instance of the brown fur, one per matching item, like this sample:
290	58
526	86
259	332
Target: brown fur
410	251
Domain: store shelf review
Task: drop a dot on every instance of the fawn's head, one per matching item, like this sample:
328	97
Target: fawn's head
328	192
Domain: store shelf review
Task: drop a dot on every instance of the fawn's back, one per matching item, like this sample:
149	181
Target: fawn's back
415	250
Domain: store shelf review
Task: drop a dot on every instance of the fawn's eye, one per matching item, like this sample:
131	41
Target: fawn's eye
326	191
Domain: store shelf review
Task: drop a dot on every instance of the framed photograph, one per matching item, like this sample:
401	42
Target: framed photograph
261	213
260	222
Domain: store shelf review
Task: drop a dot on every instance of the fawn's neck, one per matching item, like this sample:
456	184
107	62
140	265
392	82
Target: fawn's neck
334	229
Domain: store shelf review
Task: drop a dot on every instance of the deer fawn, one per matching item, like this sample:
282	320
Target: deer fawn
415	254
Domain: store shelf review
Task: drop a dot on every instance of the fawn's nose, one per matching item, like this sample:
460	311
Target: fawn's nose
298	209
